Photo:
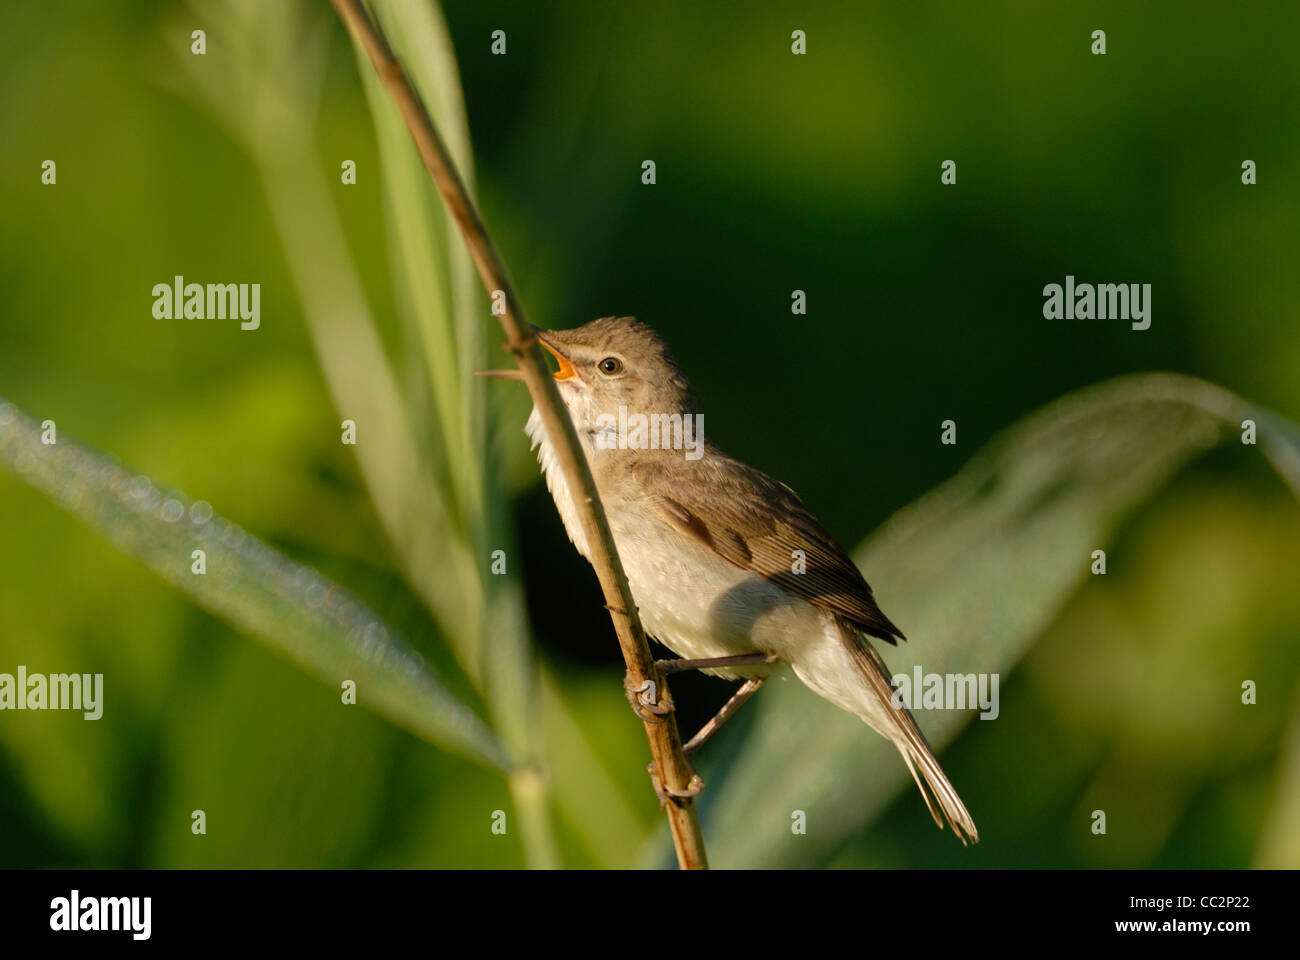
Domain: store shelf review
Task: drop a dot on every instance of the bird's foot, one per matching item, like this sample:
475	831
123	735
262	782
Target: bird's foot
667	794
645	700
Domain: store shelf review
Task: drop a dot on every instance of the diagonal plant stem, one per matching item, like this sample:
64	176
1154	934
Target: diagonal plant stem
665	739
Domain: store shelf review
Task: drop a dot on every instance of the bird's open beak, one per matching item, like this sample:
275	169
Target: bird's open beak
566	368
564	373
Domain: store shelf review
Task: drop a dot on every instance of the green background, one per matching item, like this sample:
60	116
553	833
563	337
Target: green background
774	173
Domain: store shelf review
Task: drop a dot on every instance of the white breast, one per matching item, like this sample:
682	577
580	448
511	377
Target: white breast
555	481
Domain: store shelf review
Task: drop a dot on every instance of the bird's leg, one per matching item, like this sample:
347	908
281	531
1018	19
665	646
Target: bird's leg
744	659
650	707
636	696
747	690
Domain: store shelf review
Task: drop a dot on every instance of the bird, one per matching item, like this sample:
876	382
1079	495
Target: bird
728	568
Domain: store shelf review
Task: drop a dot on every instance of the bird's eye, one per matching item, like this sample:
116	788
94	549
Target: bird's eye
610	366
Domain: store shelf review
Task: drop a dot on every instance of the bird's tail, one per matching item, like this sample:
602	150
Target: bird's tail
895	722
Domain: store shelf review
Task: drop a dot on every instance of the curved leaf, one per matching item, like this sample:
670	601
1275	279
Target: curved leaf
289	606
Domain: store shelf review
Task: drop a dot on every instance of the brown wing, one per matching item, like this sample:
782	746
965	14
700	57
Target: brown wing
758	523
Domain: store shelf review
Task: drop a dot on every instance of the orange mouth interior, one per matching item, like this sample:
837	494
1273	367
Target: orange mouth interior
567	370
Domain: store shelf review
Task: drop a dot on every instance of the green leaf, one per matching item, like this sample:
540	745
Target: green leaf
1279	846
289	606
443	310
974	571
421	250
262	79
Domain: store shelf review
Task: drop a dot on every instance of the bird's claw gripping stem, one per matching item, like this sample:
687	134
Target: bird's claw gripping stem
667	794
645	701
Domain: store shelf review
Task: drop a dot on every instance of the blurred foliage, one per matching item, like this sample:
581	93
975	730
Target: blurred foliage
774	173
978	567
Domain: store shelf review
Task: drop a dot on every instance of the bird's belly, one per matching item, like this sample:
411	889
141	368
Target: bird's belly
702	607
691	600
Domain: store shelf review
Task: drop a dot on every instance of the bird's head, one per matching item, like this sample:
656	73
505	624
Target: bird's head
610	363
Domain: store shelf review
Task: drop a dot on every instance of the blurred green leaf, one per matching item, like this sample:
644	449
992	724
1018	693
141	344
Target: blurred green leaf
422	251
444	306
1279	847
425	248
975	570
292	608
262	79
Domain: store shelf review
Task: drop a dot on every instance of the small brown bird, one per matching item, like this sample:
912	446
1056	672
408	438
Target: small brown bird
729	570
